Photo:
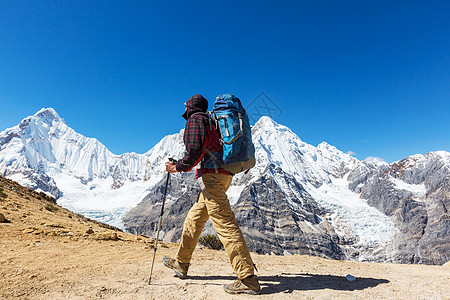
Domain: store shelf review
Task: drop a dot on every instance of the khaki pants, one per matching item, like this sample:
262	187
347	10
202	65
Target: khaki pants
213	203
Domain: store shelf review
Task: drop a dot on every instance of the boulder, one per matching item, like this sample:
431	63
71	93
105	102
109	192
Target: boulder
3	219
106	236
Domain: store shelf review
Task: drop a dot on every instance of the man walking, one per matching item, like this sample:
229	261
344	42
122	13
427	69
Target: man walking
202	141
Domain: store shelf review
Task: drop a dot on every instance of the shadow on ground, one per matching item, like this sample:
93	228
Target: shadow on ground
287	282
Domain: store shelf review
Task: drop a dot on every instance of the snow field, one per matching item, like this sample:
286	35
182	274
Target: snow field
348	212
98	200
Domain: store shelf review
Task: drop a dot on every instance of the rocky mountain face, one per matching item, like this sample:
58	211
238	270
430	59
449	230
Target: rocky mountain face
297	199
281	222
285	221
415	193
182	192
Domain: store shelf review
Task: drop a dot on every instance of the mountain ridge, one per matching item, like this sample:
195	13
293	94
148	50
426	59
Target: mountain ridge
353	198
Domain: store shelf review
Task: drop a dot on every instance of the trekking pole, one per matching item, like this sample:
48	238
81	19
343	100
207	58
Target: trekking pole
160	221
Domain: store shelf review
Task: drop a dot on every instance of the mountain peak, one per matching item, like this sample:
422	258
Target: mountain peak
267	124
47	113
44	115
266	120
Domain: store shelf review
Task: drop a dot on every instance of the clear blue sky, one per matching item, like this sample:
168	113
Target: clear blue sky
371	77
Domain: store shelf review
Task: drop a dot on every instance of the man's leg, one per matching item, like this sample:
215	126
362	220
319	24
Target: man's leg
225	224
193	226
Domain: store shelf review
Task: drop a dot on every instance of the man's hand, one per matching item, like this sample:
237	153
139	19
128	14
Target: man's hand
170	167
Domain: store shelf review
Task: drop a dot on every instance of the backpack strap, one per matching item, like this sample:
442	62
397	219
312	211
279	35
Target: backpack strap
215	118
241	129
213	158
211	127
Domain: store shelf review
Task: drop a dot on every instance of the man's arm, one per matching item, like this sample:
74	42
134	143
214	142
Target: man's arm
194	138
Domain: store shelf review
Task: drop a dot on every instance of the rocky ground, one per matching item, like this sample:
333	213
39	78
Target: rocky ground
48	252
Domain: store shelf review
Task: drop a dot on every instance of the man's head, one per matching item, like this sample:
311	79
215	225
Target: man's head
195	104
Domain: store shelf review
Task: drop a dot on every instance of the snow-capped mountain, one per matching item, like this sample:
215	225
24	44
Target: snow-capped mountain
45	154
297	199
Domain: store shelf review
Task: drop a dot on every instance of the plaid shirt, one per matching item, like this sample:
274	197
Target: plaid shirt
194	140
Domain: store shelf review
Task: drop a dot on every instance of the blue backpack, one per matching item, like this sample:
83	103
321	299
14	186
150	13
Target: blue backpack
235	134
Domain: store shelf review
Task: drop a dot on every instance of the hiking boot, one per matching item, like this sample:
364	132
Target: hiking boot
180	269
249	285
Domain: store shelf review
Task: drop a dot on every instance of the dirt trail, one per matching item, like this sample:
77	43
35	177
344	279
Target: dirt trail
45	253
65	269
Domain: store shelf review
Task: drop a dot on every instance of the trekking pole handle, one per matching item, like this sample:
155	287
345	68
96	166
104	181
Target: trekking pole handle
173	160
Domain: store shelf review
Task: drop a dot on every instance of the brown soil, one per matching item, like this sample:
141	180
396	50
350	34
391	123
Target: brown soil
45	253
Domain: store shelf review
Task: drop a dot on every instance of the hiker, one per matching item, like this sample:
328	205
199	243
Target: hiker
202	140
